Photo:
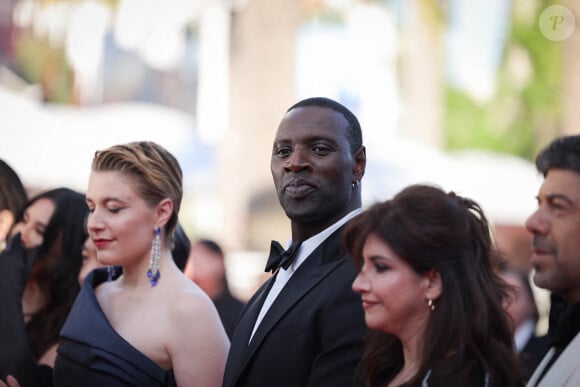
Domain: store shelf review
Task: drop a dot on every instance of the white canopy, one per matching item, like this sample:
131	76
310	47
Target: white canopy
504	185
51	145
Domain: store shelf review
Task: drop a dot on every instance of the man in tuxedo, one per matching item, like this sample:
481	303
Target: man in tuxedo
555	226
305	326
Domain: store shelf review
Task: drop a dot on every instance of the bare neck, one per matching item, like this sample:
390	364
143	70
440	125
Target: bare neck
302	230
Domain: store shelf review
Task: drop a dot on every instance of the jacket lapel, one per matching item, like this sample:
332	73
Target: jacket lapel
243	331
298	286
318	265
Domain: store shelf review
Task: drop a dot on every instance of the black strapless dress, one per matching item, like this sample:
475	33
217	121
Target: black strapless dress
92	353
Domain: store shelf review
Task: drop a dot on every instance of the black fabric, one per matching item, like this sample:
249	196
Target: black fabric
533	353
281	258
16	355
564	326
313	332
473	375
567	327
91	353
228	308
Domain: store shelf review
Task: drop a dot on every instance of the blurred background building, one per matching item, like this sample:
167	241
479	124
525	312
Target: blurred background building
452	92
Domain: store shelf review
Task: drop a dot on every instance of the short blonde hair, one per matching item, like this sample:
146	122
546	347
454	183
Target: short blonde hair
155	171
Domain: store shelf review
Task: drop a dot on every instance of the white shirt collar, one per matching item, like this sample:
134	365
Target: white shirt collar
310	244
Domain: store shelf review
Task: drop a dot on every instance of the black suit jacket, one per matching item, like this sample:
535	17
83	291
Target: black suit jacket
533	353
313	333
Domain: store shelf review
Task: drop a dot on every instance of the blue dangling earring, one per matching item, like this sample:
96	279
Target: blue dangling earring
153	272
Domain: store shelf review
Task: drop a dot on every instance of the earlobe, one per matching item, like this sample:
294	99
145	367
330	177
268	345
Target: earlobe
434	285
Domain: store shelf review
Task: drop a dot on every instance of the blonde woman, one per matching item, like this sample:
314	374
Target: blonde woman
145	324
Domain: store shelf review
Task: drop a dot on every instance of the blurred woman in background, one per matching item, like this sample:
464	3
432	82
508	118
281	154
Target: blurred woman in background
42	264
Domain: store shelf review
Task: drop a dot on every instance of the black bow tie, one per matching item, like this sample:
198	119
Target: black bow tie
280	257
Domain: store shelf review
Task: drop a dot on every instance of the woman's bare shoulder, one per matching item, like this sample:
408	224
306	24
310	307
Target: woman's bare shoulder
188	300
193	315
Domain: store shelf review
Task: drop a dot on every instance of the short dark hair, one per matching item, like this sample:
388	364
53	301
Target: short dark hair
354	129
561	153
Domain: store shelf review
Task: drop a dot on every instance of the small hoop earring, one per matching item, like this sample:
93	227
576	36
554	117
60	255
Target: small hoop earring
355	184
431	304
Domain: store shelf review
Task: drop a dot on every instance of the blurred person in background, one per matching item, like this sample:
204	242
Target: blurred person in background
147	324
206	267
522	308
304	326
430	293
90	262
555	226
40	284
12	199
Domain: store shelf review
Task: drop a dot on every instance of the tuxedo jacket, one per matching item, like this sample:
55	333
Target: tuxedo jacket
565	372
313	333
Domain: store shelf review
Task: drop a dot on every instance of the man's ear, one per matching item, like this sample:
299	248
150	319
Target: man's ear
434	285
360	163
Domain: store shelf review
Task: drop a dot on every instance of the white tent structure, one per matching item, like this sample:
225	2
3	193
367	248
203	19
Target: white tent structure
505	186
50	145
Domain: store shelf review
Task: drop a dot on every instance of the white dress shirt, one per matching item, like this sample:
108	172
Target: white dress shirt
307	247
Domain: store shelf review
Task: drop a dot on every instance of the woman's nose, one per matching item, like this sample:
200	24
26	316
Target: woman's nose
360	283
90	221
28	235
94	220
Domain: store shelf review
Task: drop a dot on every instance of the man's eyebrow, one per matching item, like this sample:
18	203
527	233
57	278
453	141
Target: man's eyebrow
555	196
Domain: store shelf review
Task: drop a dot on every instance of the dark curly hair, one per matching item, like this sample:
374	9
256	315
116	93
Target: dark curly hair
469	329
